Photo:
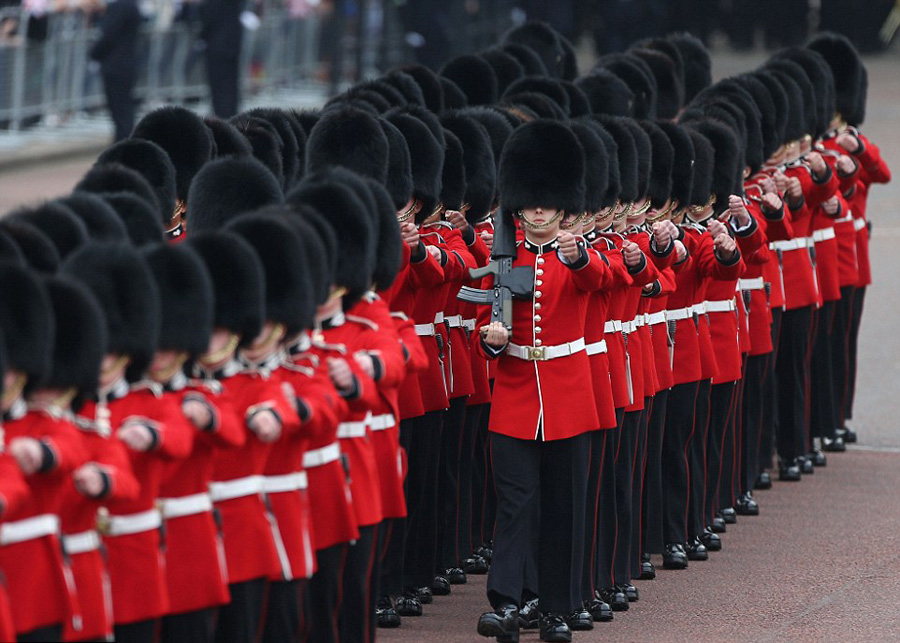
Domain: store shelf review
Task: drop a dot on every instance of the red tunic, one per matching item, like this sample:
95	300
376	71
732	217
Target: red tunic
552	399
36	574
195	567
13	492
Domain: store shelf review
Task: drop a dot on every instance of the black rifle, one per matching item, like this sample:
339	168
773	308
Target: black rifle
509	282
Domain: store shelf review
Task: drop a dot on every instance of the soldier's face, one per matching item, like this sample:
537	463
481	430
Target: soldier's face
13	384
166	364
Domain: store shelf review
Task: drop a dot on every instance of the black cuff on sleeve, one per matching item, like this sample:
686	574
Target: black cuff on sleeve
155	437
48	458
747	231
796	206
633	270
303	410
493	351
377	367
687	255
107	484
665	252
468	235
418	254
729	262
582	261
354	392
825	178
776	215
654	289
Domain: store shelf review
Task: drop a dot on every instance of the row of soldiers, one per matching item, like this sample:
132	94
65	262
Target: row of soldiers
242	398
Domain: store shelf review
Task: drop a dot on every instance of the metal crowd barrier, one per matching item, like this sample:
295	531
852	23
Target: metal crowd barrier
52	80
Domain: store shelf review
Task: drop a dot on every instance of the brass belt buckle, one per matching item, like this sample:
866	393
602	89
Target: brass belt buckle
536	353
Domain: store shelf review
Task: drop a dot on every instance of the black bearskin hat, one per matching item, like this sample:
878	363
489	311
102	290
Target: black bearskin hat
454	98
697	63
150	161
478	159
38	251
266	143
527	57
851	81
607	93
320	245
389	253
662	161
113	177
399	181
339	206
429	83
351	138
26	322
81	338
798	75
539	104
183	136
453	174
292	149
228	187
543	40
100	219
596	178
506	67
118	276
627	155
727	168
497	125
407	86
549	87
542	165
579	105
669	88
185	295
822	79
704	159
9	250
475	77
306	118
640	80
227	139
141	225
58	222
683	163
644	150
794	121
780	104
769	116
426	160
289	295
614	179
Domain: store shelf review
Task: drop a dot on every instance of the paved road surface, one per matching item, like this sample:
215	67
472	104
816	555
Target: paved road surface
821	563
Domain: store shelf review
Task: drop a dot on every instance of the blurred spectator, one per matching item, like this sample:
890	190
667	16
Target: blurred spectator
116	51
223	34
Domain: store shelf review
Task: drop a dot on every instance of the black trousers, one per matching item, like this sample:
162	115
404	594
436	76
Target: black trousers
140	632
119	91
49	633
421	437
282	612
697	462
382	537
607	517
448	493
240	620
676	450
719	447
323	598
471	482
484	494
859	297
391	580
770	399
188	627
823	396
592	510
840	348
792	371
756	372
652	505
553	476
356	619
637	490
625	466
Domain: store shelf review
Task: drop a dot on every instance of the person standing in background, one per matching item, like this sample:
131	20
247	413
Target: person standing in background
116	52
223	34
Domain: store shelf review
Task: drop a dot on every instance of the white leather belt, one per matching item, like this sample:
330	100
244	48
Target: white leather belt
845	219
677	314
454	321
656	318
82	542
469	325
382	422
425	330
544	353
799	243
284	483
182	506
631	326
595	348
319	457
721	306
757	283
134	523
26	529
859	224
699	309
237	488
612	326
439	318
823	235
352	429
